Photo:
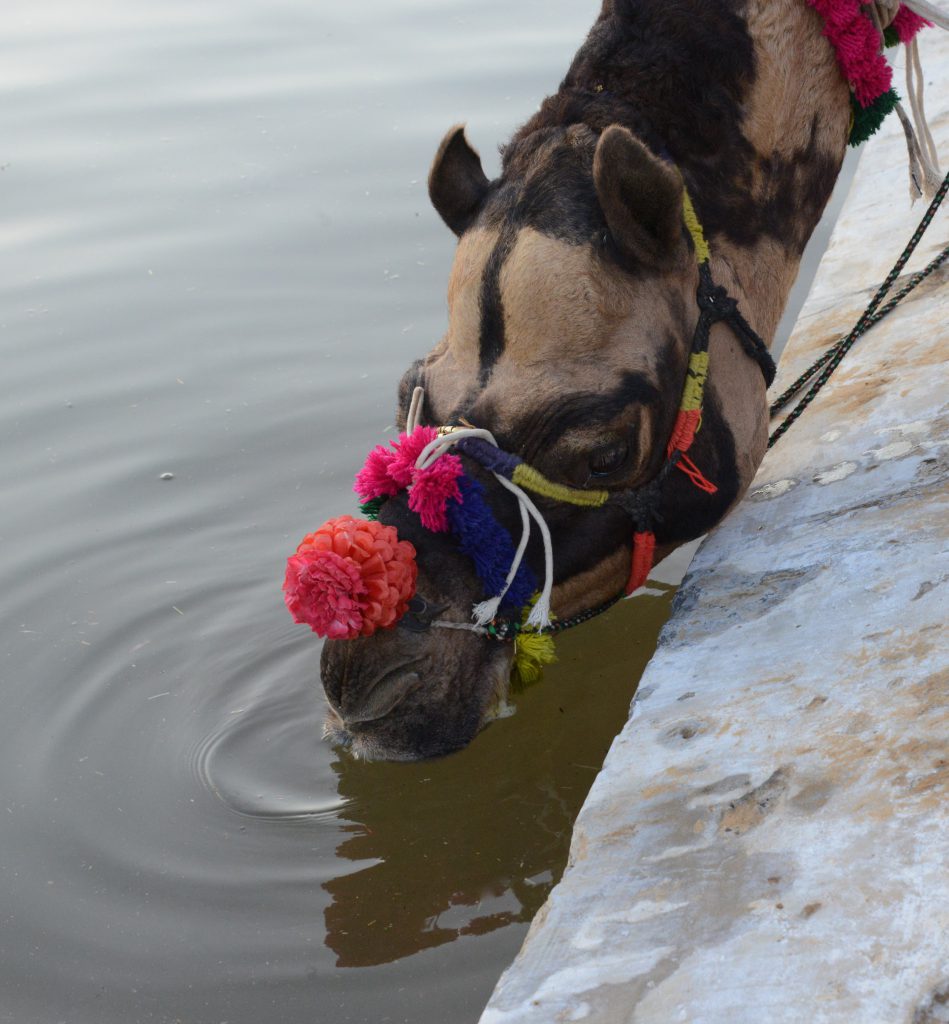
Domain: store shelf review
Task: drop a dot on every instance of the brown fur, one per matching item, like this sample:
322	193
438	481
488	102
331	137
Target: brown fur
572	305
641	199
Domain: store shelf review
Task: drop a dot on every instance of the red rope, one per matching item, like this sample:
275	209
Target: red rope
683	433
695	474
644	546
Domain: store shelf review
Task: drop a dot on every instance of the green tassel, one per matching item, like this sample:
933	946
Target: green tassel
370	509
890	36
866	120
532	651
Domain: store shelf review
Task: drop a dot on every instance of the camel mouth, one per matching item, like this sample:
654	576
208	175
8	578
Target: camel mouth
420	709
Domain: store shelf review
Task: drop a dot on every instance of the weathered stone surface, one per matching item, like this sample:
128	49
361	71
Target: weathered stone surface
768	840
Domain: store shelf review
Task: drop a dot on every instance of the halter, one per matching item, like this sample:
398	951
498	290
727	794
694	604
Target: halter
357	576
640	503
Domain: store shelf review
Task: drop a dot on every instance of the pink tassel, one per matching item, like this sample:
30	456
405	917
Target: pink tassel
389	470
856	43
373	480
907	23
431	489
407	450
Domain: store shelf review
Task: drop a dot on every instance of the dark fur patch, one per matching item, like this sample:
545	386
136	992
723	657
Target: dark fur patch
457	184
676	73
685	512
785	207
491	340
543	427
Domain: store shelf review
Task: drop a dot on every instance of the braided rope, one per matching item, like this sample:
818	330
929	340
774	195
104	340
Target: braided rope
715	305
531	479
830	360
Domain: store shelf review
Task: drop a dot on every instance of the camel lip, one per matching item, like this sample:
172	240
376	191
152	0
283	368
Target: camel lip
357	737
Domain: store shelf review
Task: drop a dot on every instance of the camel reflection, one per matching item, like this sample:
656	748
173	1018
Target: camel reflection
474	842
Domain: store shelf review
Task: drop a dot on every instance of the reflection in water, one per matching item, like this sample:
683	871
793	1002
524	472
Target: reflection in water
474	842
219	261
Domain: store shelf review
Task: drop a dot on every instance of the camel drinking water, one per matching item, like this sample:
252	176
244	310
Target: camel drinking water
599	387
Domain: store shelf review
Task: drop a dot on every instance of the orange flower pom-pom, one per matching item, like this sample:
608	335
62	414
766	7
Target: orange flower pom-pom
350	578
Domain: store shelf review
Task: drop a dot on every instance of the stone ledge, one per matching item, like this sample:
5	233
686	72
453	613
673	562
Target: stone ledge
768	839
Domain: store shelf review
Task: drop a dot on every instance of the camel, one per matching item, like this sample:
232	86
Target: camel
572	305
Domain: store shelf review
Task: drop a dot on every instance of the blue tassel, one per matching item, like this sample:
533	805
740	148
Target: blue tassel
489	546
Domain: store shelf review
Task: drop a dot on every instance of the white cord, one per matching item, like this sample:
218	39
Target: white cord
435	449
540	613
485	611
415	410
461	625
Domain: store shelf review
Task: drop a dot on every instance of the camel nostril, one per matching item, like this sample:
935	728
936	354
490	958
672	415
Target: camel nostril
382	697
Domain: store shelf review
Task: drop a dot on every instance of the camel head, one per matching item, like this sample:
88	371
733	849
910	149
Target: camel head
572	308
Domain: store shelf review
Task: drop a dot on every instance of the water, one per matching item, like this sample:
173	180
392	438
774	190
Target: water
218	257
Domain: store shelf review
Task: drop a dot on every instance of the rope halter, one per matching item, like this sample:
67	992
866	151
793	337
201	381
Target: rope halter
449	437
425	462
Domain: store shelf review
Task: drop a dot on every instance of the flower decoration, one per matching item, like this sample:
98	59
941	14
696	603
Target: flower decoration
349	578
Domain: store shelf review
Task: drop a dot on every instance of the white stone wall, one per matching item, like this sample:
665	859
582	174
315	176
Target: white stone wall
768	840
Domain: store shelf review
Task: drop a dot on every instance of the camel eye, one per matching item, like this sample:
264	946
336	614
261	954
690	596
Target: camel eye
609	458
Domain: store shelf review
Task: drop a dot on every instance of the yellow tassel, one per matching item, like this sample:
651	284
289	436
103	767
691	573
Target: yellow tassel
532	651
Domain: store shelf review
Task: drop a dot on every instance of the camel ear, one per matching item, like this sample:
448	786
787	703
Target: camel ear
457	184
641	198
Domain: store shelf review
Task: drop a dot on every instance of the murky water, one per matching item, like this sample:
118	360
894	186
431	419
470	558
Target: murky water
217	259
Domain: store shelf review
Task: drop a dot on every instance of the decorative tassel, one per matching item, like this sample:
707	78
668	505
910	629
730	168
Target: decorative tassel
389	470
371	508
485	611
432	489
866	120
644	546
540	613
532	651
489	546
349	578
907	23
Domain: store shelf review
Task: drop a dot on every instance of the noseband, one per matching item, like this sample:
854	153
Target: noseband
641	504
425	462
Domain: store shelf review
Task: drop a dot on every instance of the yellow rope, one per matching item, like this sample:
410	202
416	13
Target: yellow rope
695	382
694	227
528	477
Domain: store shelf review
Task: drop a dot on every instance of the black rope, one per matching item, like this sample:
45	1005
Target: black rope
830	360
717	305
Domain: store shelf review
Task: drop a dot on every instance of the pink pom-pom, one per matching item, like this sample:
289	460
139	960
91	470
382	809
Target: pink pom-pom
389	470
431	489
857	45
407	450
907	23
349	578
373	480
